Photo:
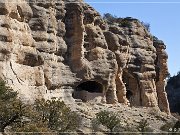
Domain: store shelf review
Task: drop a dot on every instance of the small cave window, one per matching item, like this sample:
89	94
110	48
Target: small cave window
88	90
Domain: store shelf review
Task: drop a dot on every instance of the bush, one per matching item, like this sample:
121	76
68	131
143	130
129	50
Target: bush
143	126
129	129
171	127
122	22
125	23
108	119
95	125
176	127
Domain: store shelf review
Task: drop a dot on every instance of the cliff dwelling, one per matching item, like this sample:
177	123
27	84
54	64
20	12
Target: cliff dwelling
63	44
88	90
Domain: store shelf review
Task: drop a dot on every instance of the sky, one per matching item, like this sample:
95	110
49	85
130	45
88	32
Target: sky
162	15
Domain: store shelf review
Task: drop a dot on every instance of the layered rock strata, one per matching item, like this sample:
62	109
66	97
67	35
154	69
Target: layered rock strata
65	49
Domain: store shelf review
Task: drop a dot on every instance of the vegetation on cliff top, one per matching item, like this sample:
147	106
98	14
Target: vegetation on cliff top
122	22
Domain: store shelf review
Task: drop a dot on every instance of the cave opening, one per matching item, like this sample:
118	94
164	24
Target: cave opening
129	95
90	86
88	90
128	81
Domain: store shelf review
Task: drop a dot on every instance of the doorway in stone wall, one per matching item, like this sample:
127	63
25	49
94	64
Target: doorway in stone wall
88	90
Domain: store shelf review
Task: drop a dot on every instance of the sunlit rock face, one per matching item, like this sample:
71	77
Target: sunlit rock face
60	48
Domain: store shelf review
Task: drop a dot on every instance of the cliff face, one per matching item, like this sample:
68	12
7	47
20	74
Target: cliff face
66	50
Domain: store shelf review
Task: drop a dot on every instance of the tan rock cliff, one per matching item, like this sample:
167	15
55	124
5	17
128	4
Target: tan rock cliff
65	49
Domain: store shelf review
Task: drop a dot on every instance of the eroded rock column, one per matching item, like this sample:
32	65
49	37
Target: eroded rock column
162	72
74	35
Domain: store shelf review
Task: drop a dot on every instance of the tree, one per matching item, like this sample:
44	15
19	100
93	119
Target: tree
58	115
109	18
11	108
41	116
49	116
31	121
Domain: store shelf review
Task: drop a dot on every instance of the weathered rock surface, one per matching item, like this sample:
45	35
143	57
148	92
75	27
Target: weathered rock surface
130	117
48	49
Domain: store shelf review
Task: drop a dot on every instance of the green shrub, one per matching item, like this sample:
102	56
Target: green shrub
108	119
176	127
144	126
122	22
95	125
173	127
125	23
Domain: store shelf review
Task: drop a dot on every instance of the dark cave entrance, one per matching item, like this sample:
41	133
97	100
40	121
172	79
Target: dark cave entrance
129	95
128	81
88	90
90	86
